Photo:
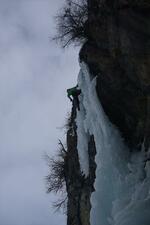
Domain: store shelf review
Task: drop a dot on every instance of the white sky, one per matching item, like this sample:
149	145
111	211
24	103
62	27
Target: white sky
34	76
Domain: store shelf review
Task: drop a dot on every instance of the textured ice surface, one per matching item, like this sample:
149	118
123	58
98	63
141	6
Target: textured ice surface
122	184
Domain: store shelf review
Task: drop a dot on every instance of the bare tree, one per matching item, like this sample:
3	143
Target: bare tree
55	180
71	23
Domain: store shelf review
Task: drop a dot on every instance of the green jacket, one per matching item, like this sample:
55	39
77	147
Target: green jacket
72	91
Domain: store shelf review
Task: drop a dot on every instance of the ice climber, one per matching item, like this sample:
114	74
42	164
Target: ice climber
74	93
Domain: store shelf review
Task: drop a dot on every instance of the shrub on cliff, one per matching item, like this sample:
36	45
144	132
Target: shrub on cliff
55	180
71	23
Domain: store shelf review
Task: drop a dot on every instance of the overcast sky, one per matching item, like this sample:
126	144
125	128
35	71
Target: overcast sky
34	76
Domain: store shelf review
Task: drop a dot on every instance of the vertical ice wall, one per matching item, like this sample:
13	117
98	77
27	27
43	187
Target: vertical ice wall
121	180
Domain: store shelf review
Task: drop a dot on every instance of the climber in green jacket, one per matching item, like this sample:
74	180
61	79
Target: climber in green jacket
74	92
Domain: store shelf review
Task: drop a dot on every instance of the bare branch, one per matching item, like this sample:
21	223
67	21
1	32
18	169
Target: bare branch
71	22
61	204
55	180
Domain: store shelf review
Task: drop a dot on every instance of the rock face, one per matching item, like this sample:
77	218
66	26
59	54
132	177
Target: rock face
78	187
118	53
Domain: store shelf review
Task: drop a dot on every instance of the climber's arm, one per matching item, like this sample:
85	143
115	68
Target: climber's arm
70	98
